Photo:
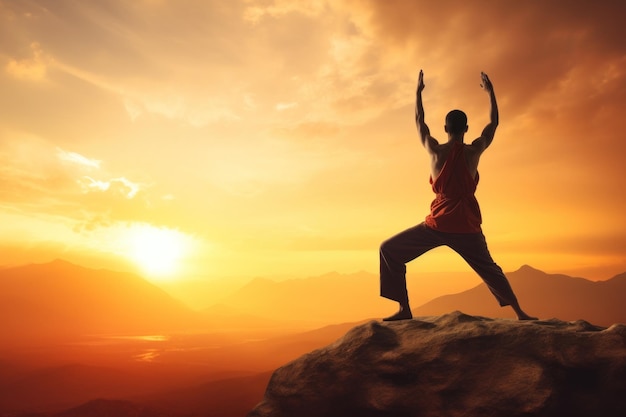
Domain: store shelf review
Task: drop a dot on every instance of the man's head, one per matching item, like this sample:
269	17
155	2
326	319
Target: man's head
456	122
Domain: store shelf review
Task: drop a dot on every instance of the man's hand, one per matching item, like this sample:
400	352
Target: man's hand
420	82
489	131
486	83
422	128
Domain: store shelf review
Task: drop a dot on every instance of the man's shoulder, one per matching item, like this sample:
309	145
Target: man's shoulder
441	151
432	145
444	147
478	145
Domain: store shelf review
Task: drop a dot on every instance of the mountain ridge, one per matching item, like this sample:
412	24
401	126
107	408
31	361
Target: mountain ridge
544	295
61	299
355	296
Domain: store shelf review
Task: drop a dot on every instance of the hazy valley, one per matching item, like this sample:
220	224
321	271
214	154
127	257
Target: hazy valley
73	335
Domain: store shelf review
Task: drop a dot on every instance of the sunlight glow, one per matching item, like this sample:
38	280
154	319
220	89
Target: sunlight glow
158	251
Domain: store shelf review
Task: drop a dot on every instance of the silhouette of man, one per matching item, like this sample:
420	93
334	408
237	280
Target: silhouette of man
454	218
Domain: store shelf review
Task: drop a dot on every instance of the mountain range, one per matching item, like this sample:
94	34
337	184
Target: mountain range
342	298
60	300
225	371
335	297
543	295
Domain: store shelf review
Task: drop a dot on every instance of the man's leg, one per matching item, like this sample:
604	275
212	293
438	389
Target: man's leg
473	248
395	253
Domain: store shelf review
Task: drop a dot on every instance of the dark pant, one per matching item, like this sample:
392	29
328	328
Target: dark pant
396	251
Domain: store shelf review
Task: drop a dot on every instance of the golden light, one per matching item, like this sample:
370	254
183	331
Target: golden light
158	252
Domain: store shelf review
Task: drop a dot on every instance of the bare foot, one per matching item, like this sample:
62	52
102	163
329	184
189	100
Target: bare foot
525	316
520	313
403	314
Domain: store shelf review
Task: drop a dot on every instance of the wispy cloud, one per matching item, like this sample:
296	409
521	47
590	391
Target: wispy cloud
286	106
77	158
117	186
256	10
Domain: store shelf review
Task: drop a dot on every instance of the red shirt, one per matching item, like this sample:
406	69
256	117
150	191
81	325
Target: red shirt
455	208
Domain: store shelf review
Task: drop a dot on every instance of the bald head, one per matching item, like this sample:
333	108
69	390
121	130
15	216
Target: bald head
456	122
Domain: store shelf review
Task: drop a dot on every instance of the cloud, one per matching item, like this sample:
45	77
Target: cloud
120	185
323	57
133	109
40	179
200	71
136	52
29	69
286	106
255	10
528	46
77	158
116	186
196	112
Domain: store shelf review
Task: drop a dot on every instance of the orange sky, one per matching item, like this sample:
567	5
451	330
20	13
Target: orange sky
216	138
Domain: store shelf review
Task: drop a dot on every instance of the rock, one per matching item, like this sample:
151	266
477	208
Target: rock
457	365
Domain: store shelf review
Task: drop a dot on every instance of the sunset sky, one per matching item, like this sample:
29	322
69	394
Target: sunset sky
214	138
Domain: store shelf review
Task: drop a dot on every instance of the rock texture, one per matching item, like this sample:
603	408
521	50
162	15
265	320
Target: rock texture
457	365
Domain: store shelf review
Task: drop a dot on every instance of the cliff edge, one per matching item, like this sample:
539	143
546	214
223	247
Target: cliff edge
457	365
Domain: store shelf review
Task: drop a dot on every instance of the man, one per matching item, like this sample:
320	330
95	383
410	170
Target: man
455	218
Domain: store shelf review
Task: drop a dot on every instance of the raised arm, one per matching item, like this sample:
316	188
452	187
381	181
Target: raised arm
489	131
422	128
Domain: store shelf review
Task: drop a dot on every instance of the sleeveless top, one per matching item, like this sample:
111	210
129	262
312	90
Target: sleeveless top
455	208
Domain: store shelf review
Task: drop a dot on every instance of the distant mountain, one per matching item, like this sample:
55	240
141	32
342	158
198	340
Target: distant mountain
330	298
223	398
232	397
333	297
59	300
63	386
221	316
544	295
117	408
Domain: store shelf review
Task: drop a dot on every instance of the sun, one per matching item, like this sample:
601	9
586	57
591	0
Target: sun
158	252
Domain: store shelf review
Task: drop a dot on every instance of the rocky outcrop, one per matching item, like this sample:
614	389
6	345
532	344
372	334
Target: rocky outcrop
457	365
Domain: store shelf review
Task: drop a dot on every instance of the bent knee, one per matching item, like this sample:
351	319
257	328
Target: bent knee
387	246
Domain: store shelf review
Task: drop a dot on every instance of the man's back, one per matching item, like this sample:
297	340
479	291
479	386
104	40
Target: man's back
455	208
440	153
